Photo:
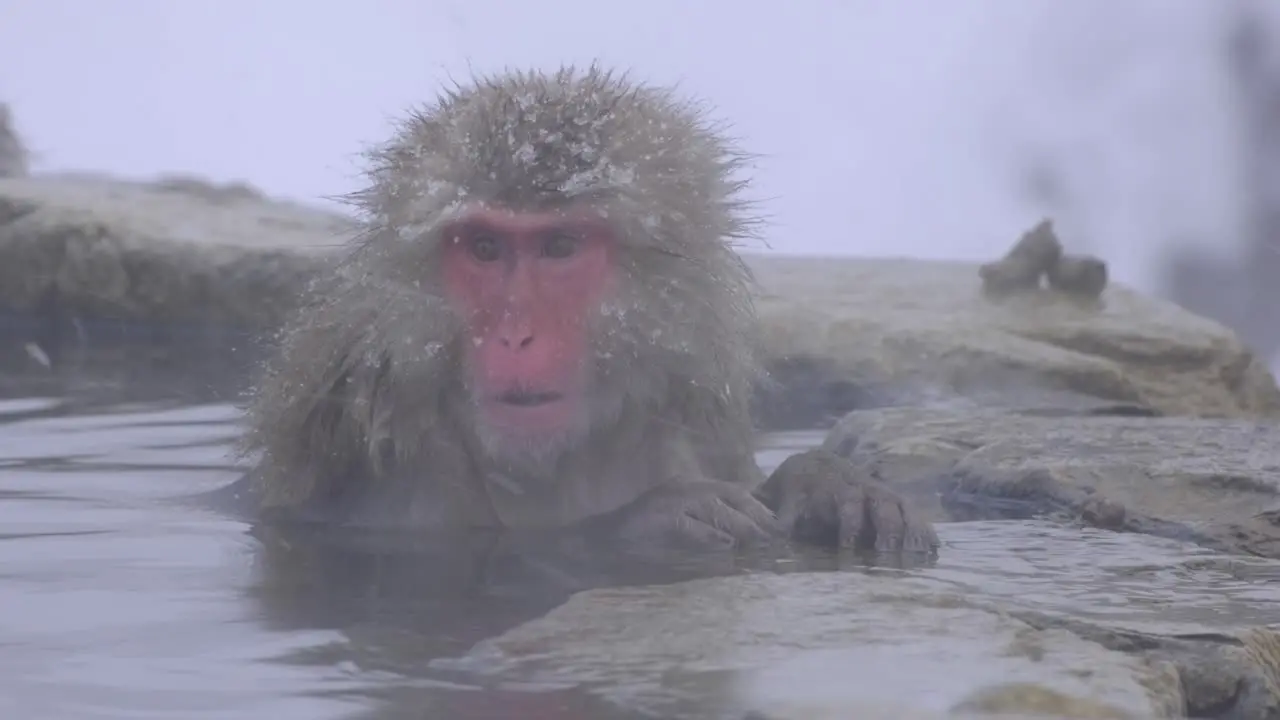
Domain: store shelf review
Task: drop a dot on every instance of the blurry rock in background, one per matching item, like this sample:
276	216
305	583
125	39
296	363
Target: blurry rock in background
13	154
1242	290
1038	255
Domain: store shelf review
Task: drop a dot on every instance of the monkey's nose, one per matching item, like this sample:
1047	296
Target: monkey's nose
516	340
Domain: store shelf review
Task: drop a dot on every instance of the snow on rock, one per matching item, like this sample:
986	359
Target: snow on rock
175	249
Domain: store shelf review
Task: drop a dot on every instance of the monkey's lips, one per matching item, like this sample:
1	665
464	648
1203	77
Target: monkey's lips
529	398
529	412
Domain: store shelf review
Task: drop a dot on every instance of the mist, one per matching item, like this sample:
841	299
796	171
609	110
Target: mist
901	128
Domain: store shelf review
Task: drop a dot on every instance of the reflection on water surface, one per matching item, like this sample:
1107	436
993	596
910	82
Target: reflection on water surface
121	602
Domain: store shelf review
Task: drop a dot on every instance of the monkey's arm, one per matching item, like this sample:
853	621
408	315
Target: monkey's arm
823	499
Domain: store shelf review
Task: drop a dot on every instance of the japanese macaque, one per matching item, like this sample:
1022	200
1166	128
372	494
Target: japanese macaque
13	154
545	325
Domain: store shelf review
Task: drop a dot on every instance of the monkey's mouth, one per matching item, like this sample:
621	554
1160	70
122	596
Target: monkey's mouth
528	413
528	398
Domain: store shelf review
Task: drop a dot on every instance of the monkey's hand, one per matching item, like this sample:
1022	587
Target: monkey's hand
698	513
824	499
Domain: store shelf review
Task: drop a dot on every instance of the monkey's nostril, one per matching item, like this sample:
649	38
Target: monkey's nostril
518	342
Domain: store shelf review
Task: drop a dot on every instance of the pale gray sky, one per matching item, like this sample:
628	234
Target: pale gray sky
891	126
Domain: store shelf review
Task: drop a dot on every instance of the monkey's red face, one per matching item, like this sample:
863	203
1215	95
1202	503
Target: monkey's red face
526	285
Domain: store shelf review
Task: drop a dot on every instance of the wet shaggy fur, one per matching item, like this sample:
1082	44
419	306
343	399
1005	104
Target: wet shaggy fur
367	386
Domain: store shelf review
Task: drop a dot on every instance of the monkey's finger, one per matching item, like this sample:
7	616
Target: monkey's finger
897	525
667	526
790	506
761	517
802	507
813	518
701	533
920	535
739	523
855	528
756	528
888	521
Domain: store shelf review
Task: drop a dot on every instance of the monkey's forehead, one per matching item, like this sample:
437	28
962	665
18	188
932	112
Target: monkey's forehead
526	144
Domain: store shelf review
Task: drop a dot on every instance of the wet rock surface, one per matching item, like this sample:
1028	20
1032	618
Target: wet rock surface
857	643
642	641
1210	481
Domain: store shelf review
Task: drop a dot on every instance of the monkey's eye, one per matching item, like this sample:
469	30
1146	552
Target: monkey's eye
485	248
559	245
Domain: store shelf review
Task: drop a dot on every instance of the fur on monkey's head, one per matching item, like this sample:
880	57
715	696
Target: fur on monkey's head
652	163
528	140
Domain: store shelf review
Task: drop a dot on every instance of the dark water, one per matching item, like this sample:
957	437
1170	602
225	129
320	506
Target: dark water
120	602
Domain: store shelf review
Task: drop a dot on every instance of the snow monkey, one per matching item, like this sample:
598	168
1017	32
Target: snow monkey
545	324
